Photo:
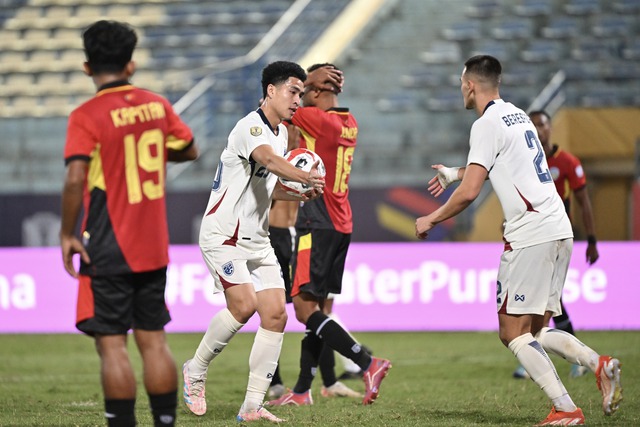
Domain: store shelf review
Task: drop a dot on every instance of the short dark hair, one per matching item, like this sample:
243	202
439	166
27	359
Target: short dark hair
278	72
486	67
541	113
108	46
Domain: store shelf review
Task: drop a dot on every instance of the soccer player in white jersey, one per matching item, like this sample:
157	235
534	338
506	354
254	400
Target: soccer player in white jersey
234	240
504	148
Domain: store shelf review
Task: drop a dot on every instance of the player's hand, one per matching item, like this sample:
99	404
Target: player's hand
327	78
592	253
315	179
443	179
70	246
310	195
423	226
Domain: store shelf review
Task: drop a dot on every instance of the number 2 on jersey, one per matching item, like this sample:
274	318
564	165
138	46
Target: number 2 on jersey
148	155
532	142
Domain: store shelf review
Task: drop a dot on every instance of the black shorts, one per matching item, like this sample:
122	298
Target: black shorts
111	305
318	264
283	247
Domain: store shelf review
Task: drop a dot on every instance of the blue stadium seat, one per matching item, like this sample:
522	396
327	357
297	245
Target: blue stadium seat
626	6
542	51
513	28
590	49
533	8
441	52
483	9
500	49
560	27
460	31
631	49
422	77
612	25
582	7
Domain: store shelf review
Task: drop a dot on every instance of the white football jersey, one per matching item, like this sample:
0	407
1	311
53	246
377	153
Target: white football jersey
238	208
506	143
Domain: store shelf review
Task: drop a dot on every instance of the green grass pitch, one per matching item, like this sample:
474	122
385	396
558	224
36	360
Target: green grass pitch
437	379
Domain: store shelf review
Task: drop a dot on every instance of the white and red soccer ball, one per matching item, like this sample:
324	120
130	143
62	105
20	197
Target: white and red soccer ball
303	159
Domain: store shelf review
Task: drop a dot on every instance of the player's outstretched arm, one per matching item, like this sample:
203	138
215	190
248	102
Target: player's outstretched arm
473	179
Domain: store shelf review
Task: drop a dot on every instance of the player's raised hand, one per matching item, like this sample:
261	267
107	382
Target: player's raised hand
326	78
70	246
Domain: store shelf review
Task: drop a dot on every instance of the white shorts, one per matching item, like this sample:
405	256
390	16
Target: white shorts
232	265
530	280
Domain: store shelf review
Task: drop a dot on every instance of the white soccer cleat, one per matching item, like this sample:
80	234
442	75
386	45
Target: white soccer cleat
338	389
608	382
259	414
193	391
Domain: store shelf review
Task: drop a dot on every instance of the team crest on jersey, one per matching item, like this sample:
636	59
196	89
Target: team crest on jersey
228	269
255	131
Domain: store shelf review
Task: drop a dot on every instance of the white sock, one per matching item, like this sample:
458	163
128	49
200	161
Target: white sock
568	347
263	361
535	360
221	329
349	365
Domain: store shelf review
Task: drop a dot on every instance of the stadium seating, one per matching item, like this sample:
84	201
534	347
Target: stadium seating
412	58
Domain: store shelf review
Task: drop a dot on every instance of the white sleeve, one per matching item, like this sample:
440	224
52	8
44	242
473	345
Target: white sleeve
249	136
484	144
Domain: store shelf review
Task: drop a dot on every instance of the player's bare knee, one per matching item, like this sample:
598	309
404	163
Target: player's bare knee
243	310
275	321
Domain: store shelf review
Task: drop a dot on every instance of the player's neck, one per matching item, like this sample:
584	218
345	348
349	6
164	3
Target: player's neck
483	100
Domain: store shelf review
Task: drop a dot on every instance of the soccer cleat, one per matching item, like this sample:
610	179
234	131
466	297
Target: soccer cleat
578	371
338	389
608	382
193	391
276	390
521	373
555	418
373	376
259	414
347	375
291	398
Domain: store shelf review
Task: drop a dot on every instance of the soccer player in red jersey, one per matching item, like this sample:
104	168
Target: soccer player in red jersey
323	234
116	151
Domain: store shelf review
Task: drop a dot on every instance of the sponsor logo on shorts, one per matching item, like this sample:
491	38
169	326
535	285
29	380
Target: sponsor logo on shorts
519	297
228	269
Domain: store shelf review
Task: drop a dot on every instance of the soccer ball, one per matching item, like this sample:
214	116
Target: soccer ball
302	159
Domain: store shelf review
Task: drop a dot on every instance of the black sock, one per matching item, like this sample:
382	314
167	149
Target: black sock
163	408
276	379
309	353
120	412
337	338
563	322
327	364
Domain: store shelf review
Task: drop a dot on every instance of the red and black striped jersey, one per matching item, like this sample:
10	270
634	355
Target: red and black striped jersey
332	134
124	133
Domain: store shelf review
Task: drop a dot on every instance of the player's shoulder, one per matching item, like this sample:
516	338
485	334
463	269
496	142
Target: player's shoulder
566	156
